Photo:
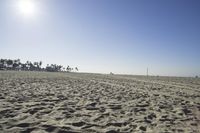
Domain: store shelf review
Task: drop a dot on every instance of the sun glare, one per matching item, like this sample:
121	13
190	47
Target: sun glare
27	7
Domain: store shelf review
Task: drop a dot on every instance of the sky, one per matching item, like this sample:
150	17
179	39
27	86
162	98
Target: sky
102	36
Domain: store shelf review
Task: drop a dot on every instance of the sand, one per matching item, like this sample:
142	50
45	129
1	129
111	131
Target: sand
41	102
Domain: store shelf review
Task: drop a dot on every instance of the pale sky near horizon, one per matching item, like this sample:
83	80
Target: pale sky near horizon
102	36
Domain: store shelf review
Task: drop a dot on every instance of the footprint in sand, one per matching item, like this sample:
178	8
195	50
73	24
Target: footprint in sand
49	128
23	125
78	124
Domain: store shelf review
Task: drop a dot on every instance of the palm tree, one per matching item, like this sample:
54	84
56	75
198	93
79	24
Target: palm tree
68	69
27	65
9	63
23	66
2	61
16	64
32	67
76	68
36	66
2	65
40	65
59	67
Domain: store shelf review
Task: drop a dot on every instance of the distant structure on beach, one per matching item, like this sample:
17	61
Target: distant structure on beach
111	73
8	64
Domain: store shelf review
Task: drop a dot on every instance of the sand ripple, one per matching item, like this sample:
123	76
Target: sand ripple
33	102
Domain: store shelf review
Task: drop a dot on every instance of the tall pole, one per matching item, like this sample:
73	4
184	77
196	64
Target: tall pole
147	72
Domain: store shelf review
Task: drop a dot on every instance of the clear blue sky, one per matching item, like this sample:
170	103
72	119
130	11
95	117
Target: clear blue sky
122	36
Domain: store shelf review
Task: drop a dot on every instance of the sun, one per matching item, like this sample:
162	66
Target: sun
27	7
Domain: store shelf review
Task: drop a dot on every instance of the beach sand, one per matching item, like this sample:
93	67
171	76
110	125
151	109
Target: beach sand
42	102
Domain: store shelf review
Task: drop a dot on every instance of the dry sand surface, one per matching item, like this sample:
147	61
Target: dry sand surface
41	102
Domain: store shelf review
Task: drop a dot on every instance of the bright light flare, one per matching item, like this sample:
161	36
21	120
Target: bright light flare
27	7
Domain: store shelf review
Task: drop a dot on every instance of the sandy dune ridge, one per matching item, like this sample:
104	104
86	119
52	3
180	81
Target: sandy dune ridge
41	102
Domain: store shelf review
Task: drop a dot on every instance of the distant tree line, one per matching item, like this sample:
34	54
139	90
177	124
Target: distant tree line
8	64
